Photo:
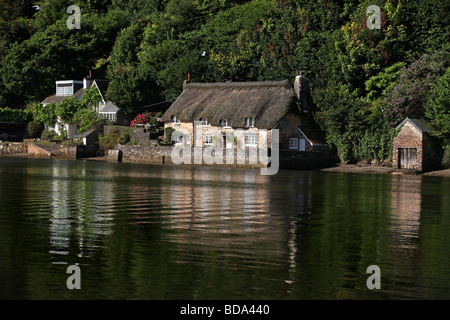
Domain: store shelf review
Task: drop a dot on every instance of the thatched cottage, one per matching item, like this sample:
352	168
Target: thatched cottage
223	108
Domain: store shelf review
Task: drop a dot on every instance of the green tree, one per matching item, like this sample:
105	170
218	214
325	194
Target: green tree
30	69
44	114
438	106
67	109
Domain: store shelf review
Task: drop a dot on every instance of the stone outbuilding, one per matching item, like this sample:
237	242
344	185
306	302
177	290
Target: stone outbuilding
413	147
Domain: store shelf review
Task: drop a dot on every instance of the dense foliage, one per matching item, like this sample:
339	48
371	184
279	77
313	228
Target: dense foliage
14	115
363	81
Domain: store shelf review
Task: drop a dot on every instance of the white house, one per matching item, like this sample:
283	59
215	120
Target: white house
76	88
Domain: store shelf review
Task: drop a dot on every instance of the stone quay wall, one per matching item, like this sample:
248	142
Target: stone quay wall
163	155
12	148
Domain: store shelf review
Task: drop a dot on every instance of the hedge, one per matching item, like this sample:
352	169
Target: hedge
15	115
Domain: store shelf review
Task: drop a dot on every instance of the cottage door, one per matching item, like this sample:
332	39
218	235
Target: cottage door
302	145
407	157
228	141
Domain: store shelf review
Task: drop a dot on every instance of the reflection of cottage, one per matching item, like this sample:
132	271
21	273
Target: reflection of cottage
206	113
75	88
413	146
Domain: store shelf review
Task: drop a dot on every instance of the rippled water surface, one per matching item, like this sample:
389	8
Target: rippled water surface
178	232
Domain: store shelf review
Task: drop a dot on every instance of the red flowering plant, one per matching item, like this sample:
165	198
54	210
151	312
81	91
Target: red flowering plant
142	118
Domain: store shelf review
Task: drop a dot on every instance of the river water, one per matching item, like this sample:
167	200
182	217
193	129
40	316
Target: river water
180	232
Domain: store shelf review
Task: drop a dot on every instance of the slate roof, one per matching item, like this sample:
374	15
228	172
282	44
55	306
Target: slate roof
109	108
419	124
102	85
84	134
57	99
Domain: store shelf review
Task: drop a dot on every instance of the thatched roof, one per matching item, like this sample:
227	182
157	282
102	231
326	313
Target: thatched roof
267	102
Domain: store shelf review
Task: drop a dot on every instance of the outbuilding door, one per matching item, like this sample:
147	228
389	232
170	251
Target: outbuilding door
407	157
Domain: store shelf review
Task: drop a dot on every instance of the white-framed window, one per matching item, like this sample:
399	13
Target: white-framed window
109	116
224	123
204	122
208	139
293	143
64	89
251	139
174	120
249	122
178	139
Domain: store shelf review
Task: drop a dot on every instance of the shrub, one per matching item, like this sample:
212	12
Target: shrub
446	157
169	131
14	115
124	137
35	129
140	119
115	136
48	135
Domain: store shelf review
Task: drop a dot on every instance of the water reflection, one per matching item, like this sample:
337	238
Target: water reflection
60	227
406	201
80	211
157	232
216	202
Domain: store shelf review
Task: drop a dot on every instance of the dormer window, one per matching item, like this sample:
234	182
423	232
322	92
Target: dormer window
64	89
249	122
204	121
67	87
224	123
174	120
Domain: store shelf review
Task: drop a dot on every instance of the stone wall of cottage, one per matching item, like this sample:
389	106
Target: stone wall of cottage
288	127
187	128
408	137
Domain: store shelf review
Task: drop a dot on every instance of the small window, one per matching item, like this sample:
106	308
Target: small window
178	139
208	139
224	123
175	120
204	121
293	143
64	89
251	139
249	122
